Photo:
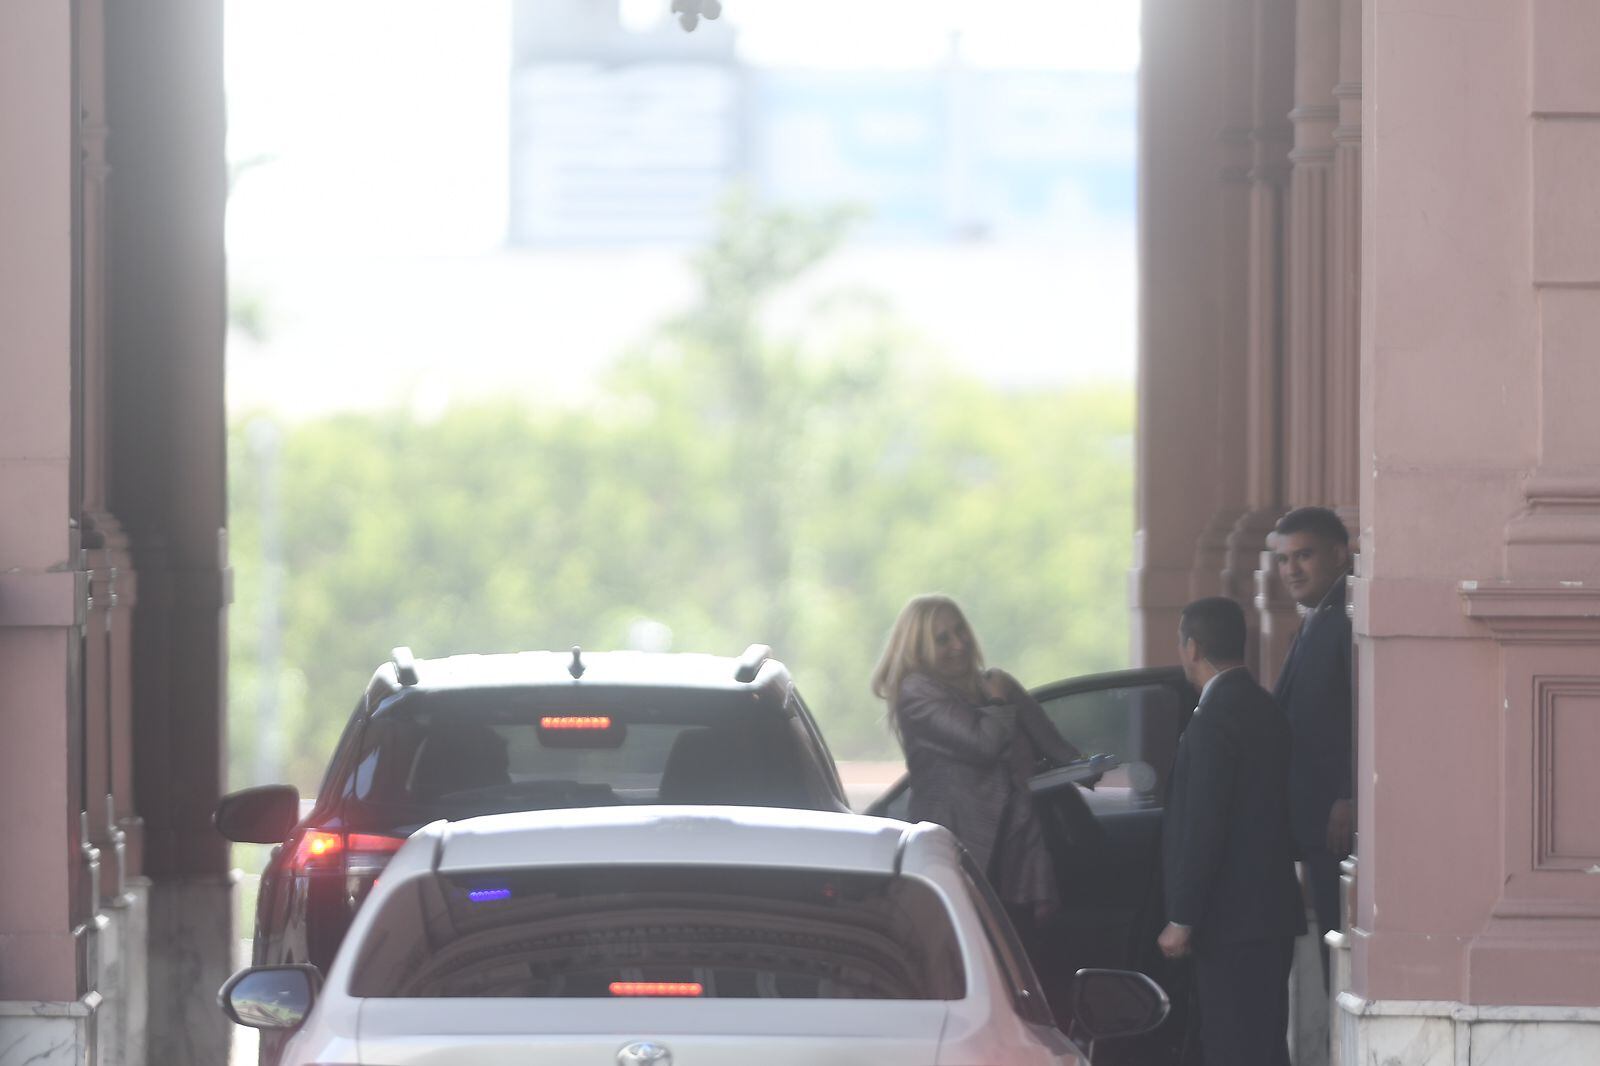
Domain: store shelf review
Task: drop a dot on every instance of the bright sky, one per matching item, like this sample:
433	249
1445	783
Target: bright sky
385	120
384	123
371	134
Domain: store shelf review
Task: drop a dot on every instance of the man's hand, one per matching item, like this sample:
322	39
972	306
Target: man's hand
1339	827
1174	941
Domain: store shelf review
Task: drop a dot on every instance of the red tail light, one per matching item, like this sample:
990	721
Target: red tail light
373	843
318	850
356	853
656	988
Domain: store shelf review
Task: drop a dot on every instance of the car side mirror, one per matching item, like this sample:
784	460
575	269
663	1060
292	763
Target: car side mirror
270	997
261	815
1112	1003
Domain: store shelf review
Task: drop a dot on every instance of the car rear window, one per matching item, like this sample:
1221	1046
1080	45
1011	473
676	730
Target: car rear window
483	751
701	932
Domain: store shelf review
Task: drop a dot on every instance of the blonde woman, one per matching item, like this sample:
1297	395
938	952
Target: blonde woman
971	736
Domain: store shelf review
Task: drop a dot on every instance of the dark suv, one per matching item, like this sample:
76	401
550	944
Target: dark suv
485	734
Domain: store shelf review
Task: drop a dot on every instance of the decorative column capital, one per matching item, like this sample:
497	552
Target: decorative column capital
1313	157
1311	114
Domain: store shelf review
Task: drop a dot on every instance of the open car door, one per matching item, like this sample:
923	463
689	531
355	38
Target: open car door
1106	843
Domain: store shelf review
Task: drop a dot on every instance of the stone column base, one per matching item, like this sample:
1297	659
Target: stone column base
49	1034
123	977
191	955
1443	1033
1339	976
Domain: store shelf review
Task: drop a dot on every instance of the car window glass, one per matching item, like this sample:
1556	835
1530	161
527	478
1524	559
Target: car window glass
1139	724
344	751
1022	982
364	771
821	775
803	715
711	932
899	805
457	754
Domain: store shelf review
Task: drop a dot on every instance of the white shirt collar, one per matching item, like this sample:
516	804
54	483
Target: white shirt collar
1328	599
1223	673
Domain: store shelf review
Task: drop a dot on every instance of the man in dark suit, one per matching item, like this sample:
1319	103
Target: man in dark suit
1231	895
1312	549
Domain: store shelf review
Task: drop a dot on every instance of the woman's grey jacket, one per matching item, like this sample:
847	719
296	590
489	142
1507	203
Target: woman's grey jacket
963	758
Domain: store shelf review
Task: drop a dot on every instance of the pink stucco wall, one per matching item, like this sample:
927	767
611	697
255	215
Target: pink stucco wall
38	599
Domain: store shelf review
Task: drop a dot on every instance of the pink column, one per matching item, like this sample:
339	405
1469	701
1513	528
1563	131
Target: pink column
45	886
1210	574
1342	381
1344	365
1307	442
1272	47
166	483
1444	306
1181	111
1478	623
1307	305
107	677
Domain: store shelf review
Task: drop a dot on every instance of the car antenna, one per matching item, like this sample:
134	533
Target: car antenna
576	667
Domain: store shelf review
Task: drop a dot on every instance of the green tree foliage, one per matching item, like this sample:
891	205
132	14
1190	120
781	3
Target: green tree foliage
733	481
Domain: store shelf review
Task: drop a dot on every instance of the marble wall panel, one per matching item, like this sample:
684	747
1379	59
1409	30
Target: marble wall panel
47	1033
1544	1043
1404	1041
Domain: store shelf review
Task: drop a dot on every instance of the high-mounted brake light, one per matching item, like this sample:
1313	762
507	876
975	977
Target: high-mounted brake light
582	731
656	988
575	721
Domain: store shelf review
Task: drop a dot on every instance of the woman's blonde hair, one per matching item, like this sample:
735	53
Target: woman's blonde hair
910	647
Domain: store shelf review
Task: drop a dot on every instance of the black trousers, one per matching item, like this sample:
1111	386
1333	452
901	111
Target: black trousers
1243	991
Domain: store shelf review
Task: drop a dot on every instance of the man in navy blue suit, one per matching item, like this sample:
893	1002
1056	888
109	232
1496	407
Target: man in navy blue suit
1312	549
1232	900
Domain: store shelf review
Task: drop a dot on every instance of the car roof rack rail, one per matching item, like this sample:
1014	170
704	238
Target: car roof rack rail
750	662
405	665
